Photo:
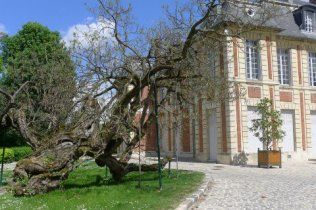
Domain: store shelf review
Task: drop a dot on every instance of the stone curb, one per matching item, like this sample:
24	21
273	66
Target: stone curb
196	196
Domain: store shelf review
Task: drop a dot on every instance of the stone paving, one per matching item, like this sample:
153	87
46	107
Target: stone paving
234	187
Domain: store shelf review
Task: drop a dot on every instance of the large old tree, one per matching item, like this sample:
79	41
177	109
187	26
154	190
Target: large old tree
63	116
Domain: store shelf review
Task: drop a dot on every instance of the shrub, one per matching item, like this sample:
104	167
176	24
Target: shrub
8	155
268	127
21	152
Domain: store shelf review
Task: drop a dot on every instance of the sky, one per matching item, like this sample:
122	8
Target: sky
64	15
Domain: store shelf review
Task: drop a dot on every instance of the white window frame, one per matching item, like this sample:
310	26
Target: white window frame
312	68
309	21
284	66
252	60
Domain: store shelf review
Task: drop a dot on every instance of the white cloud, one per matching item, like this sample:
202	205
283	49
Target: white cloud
2	28
89	33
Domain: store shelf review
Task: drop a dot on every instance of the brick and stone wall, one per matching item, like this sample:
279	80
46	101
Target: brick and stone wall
231	117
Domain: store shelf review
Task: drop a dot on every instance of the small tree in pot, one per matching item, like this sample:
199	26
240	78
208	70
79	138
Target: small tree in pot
268	129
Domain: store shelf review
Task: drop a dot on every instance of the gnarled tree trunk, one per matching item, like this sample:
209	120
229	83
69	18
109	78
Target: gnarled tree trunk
119	169
45	170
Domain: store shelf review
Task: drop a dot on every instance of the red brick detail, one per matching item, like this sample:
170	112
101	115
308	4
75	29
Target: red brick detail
268	43
271	93
238	120
313	98
200	125
223	109
235	49
186	147
151	139
137	119
151	134
221	62
302	106
299	64
224	127
254	92
169	132
145	93
286	96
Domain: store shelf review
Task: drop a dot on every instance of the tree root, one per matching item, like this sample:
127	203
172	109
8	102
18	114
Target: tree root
44	172
119	169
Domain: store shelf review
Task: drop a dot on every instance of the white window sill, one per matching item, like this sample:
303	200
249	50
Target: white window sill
255	81
285	86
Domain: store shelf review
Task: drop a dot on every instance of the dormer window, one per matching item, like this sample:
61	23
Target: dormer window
305	18
309	21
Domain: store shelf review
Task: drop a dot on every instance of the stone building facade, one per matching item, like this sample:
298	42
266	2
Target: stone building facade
278	63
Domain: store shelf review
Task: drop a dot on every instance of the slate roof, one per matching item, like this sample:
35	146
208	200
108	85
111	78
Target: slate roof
301	3
286	22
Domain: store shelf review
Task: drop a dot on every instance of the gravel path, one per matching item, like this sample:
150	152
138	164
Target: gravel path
9	166
234	187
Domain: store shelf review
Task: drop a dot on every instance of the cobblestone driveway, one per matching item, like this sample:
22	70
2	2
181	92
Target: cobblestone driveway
292	187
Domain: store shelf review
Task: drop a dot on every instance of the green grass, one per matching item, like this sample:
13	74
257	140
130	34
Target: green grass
88	188
7	174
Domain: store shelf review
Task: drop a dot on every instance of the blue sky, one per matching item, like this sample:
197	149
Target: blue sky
60	15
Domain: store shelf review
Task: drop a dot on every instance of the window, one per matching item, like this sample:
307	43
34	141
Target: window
309	21
284	67
252	60
312	68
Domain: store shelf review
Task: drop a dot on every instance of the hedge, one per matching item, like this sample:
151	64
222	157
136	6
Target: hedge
15	153
21	152
8	155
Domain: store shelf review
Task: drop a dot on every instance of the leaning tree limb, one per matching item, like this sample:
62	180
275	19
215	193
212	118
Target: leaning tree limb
11	101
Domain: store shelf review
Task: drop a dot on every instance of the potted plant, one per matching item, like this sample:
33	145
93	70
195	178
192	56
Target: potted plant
268	129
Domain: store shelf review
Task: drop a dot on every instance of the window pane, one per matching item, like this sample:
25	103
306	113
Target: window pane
312	68
309	17
252	64
284	66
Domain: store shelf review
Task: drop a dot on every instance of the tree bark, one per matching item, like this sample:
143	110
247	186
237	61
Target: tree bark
119	169
44	171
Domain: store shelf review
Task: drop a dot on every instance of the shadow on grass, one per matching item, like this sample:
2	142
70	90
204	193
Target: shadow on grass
89	177
99	181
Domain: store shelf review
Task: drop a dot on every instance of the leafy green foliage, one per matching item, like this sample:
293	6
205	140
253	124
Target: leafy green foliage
21	152
30	49
8	155
12	154
38	55
268	128
88	188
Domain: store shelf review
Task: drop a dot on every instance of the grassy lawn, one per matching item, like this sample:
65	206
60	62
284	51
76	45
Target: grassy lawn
88	188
